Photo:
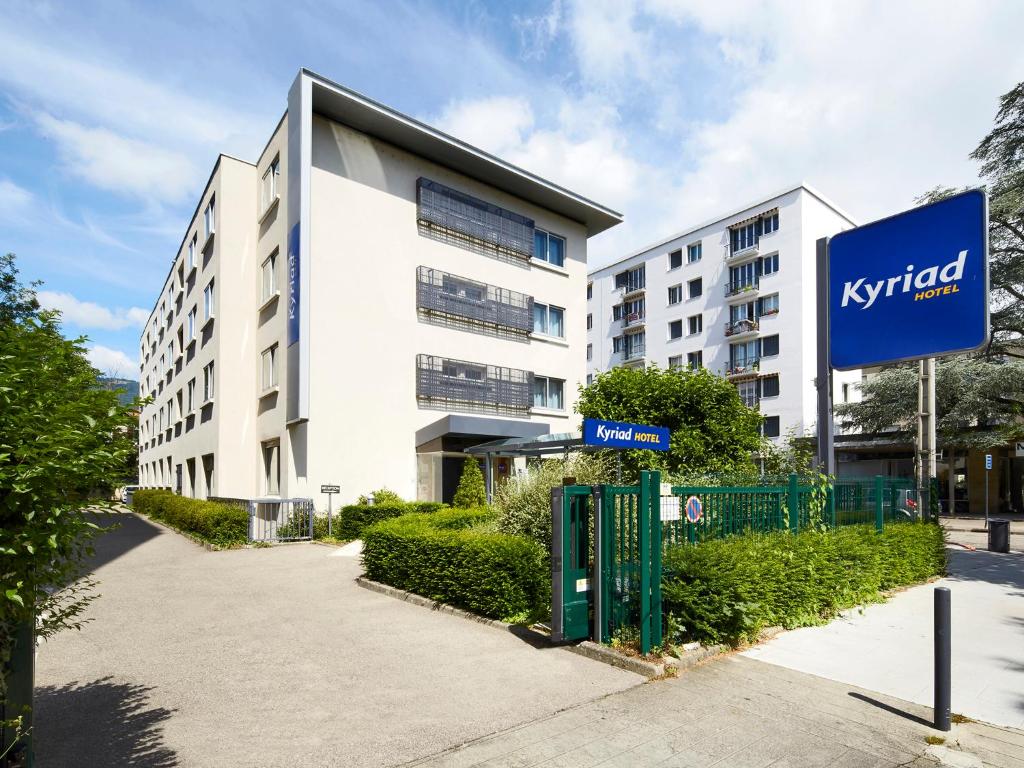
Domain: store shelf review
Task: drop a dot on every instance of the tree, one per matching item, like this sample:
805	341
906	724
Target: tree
712	431
471	491
979	403
61	437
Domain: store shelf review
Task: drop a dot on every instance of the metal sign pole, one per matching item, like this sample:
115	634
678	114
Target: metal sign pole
330	499
823	379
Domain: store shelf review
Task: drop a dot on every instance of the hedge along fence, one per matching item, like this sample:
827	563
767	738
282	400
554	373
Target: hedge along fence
220	524
453	556
353	518
728	590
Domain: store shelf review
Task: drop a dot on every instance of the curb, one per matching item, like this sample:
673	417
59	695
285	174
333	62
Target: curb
598	652
426	602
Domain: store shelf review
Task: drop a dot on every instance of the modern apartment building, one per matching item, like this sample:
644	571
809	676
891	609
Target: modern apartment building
735	295
358	306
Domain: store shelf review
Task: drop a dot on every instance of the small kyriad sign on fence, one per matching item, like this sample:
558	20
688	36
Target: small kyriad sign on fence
911	286
620	434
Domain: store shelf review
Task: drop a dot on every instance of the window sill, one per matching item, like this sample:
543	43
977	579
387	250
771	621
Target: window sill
556	340
191	271
549	267
268	301
207	322
208	241
270	391
549	412
267	211
190	342
208	401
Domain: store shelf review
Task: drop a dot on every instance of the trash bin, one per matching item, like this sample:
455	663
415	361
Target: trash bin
998	535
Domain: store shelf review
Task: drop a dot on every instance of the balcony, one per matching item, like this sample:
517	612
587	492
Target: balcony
633	354
743	367
630	291
634	320
746	252
745	288
460	385
740	328
441	293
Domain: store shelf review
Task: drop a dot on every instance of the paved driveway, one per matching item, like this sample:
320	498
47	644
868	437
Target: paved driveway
274	657
889	647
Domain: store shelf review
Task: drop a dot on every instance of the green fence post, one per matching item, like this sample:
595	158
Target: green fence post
879	498
656	545
794	503
831	502
643	538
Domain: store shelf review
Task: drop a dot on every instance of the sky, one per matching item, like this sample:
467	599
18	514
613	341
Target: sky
112	114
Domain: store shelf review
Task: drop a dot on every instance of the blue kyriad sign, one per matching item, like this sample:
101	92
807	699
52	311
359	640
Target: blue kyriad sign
294	289
911	286
618	434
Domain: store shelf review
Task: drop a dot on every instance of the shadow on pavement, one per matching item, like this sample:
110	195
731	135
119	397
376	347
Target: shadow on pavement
121	533
889	708
993	567
102	723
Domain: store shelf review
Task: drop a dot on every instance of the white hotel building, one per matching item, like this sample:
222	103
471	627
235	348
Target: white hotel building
735	295
358	306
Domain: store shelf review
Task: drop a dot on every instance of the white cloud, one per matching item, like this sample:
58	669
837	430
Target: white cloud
15	202
127	166
494	124
112	362
87	314
607	42
538	32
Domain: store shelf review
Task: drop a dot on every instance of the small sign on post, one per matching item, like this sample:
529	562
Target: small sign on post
330	490
988	468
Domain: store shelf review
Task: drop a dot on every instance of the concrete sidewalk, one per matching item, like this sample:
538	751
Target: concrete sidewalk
888	647
274	657
734	712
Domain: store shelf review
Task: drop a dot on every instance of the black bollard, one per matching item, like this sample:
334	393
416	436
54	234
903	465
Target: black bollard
943	659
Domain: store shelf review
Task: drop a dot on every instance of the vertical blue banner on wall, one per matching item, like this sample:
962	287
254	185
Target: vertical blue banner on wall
294	290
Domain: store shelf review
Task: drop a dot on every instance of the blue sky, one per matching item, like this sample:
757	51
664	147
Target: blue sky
112	113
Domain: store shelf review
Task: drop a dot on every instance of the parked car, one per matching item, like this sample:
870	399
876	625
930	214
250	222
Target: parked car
127	492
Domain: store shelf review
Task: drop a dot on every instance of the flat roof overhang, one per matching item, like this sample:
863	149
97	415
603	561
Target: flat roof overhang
559	442
364	114
479	426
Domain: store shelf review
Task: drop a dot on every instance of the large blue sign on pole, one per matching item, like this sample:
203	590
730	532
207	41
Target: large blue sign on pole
620	434
911	286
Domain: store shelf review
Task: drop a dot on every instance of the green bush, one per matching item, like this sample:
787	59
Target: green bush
471	491
728	590
223	525
381	496
353	518
446	556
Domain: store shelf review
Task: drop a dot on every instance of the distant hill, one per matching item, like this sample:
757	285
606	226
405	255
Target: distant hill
130	387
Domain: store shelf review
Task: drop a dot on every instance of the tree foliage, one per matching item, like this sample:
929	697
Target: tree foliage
471	491
711	429
979	402
62	437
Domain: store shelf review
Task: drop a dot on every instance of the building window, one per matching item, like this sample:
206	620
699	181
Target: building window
675	329
743	354
209	217
269	276
208	382
748	393
590	321
675	294
590	379
617	312
193	243
191	324
548	320
590	351
268	368
635	310
181	405
768	305
770	264
676	361
268	188
770	386
695	288
748	234
695	324
770	427
590	291
548	393
208	299
744	276
632	279
548	247
675	259
770	345
695	360
617	344
272	468
693	253
846	393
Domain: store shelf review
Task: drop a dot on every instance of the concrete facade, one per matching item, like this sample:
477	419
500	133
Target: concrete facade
753	319
331	364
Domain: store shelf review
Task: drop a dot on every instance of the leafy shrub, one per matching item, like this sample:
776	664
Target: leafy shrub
352	519
382	496
471	491
447	557
223	525
727	590
523	503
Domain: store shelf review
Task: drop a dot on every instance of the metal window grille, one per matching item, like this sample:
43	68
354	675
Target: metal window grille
447	294
464	385
472	220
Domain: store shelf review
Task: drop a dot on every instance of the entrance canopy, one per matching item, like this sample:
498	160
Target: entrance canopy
541	445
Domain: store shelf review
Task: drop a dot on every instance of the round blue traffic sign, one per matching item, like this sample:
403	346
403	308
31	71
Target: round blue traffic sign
694	509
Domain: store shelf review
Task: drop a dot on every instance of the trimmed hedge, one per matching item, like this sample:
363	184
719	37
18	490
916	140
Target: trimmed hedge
352	519
728	590
446	556
220	524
